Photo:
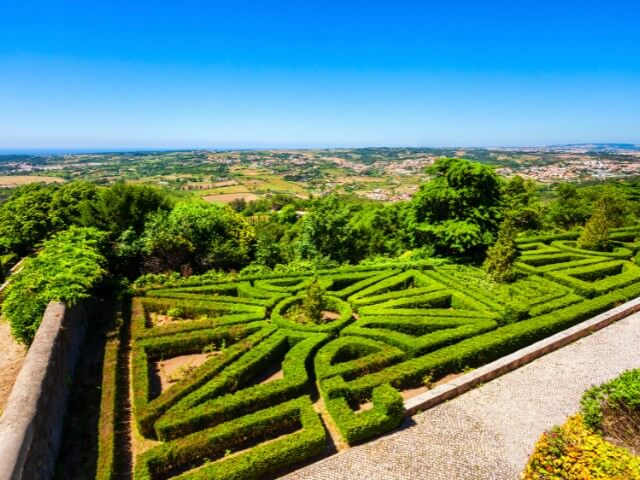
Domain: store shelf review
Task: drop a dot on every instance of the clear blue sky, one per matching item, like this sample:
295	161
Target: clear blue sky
135	74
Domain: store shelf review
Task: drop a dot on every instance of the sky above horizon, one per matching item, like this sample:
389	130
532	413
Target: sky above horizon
249	74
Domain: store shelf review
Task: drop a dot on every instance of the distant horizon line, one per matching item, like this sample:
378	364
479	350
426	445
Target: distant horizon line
104	150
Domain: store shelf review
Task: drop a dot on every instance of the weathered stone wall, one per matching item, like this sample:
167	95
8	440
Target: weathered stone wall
31	424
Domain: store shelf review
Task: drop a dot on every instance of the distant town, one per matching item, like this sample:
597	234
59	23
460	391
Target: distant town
384	174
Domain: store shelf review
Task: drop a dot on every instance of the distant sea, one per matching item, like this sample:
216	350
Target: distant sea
64	151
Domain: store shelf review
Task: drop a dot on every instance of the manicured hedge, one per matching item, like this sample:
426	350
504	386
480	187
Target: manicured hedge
225	397
148	349
484	348
536	248
214	448
443	303
546	238
105	468
399	282
386	412
620	252
445	277
370	279
287	285
352	356
218	299
539	267
585	280
192	308
413	321
278	316
417	335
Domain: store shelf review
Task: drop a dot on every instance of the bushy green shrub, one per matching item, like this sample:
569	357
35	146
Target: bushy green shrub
622	394
574	451
67	268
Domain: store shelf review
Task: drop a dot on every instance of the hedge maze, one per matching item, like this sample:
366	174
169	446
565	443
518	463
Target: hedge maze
268	391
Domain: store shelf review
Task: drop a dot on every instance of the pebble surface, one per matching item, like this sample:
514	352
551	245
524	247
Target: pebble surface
489	432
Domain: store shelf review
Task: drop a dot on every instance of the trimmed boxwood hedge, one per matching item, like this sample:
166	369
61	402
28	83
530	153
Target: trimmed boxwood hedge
233	418
215	448
546	238
619	252
417	335
109	393
586	282
356	427
486	347
278	316
192	413
353	356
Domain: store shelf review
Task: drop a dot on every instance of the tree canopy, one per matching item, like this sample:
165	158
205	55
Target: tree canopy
458	210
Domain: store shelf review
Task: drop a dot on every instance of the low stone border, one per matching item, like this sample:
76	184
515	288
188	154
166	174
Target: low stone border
31	424
514	360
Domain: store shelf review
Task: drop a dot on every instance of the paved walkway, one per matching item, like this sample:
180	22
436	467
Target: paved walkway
489	432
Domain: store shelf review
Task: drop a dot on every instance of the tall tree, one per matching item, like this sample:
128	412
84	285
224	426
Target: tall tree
458	210
24	218
502	254
198	235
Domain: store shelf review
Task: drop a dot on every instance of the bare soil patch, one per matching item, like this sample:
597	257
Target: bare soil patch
175	369
273	377
11	359
230	197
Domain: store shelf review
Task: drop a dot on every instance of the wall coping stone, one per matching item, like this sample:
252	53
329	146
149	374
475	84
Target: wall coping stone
32	421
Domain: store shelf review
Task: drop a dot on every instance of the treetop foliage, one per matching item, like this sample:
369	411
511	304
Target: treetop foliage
458	211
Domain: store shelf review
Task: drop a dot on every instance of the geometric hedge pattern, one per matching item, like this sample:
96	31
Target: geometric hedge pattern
395	325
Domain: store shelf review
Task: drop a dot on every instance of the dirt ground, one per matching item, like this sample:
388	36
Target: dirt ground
174	369
10	361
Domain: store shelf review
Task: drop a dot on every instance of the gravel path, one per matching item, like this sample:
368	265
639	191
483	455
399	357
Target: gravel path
11	357
489	432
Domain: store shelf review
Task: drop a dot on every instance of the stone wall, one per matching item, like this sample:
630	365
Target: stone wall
31	424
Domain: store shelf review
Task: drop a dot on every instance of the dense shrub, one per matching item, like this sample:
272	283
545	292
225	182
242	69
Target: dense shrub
67	269
574	451
581	447
620	398
199	236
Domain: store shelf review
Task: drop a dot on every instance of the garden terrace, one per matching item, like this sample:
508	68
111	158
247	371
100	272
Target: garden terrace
269	393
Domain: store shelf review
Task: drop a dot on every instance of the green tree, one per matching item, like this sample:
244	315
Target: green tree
521	203
596	231
325	231
569	208
199	235
67	200
269	237
458	210
24	218
502	254
314	302
123	206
